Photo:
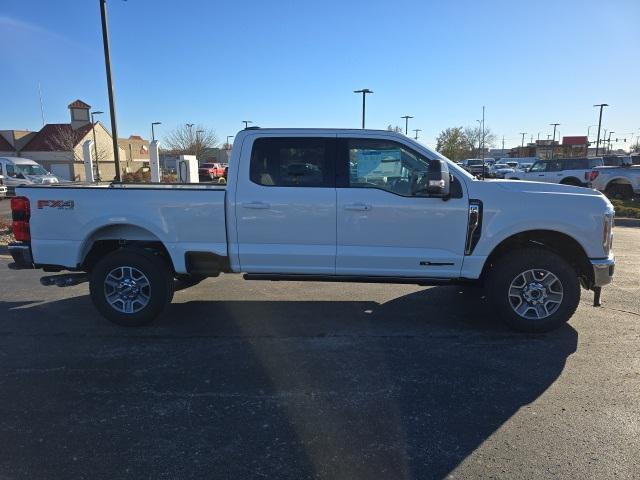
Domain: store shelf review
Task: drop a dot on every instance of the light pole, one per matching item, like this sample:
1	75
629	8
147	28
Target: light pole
589	130
601	105
364	92
522	144
95	144
112	102
153	133
198	143
246	123
406	123
228	144
416	130
609	141
553	139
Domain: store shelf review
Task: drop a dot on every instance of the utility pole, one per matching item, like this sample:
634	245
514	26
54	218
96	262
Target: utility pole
554	138
228	144
522	144
601	105
416	130
502	144
112	101
406	123
246	123
482	147
364	92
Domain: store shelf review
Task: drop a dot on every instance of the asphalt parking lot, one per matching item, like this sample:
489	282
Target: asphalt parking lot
307	380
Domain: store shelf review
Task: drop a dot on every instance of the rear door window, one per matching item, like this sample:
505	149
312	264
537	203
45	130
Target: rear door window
293	162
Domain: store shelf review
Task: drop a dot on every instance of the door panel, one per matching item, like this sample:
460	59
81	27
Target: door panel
385	231
286	207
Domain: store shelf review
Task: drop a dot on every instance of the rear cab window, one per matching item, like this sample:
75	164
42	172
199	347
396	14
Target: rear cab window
293	162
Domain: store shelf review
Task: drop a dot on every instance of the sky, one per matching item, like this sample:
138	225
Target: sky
296	63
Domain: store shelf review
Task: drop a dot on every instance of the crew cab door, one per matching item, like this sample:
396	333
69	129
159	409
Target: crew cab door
384	228
546	171
285	205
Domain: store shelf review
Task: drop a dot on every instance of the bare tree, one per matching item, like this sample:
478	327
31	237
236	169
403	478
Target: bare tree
190	140
475	140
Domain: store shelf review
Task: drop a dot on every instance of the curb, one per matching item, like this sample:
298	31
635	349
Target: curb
627	222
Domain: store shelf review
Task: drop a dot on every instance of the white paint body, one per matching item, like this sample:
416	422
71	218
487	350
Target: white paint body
617	175
320	231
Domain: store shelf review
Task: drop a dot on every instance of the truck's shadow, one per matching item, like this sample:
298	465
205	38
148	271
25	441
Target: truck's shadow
267	389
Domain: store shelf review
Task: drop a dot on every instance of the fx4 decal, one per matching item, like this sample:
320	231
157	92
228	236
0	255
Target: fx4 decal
57	204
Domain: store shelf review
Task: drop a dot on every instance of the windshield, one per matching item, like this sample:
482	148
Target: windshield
474	162
31	169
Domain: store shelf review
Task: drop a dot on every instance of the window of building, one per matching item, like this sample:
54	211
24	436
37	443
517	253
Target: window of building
293	162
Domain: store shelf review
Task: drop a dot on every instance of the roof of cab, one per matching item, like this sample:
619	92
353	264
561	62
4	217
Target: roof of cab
18	160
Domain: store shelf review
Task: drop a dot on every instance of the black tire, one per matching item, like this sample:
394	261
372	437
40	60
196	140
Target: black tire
508	269
159	291
620	191
571	181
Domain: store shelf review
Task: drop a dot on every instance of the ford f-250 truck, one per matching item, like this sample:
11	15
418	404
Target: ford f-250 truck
323	205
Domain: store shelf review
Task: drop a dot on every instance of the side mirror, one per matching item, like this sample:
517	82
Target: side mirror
438	179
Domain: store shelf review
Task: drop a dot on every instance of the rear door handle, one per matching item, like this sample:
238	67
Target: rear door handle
360	207
256	205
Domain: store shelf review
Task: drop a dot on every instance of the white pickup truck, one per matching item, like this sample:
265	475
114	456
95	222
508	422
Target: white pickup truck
617	182
323	205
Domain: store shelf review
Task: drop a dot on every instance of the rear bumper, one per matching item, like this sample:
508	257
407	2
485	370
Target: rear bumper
603	271
21	254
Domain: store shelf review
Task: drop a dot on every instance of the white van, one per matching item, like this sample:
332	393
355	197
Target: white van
24	171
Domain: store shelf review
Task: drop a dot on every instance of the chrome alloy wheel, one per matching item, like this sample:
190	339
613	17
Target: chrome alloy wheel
127	289
535	294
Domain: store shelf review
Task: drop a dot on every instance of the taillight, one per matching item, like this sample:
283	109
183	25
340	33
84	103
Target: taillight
21	231
591	176
20	213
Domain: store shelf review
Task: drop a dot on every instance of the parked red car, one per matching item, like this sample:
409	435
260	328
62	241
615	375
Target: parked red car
211	171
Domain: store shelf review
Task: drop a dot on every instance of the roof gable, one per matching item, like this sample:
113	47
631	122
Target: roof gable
5	146
55	137
78	104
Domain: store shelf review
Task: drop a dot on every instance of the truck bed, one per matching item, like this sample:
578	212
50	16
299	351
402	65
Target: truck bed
66	219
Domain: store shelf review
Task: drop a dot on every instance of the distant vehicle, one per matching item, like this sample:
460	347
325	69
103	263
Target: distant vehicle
3	188
567	171
473	166
617	182
616	160
635	159
499	170
24	171
210	171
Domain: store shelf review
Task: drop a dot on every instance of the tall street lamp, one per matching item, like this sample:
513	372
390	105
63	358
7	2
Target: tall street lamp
198	149
246	123
553	139
406	123
609	141
153	133
601	105
522	144
228	137
95	144
112	102
417	130
364	92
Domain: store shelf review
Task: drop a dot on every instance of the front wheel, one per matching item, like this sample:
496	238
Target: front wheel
131	286
533	290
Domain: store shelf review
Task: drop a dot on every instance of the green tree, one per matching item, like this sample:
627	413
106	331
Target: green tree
452	143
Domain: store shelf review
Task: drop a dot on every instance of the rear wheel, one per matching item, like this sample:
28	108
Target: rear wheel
571	181
533	290
131	287
619	190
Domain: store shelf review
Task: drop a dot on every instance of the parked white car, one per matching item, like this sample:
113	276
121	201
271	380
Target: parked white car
323	205
616	182
23	171
3	188
567	171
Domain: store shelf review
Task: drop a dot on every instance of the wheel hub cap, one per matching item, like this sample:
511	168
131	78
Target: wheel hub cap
535	294
127	289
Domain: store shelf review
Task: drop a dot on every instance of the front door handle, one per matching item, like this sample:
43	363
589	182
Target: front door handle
359	207
541	175
256	205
